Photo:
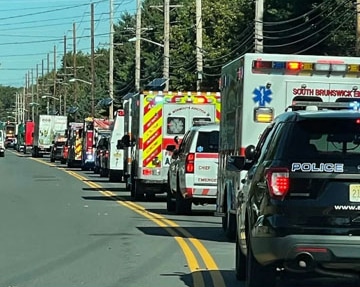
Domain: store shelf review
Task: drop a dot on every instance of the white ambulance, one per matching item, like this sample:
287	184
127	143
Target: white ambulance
257	87
156	119
116	149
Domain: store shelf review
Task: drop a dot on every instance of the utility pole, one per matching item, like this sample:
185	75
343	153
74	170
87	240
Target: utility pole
259	13
74	62
199	47
32	96
42	78
37	89
65	79
48	63
138	46
166	43
24	100
111	61
54	78
27	94
357	48
92	62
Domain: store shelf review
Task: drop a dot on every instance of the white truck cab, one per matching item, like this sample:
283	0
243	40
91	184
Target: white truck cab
2	144
116	150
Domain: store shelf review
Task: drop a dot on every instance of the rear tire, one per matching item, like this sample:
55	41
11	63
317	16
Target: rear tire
240	262
113	177
257	274
182	205
137	191
230	225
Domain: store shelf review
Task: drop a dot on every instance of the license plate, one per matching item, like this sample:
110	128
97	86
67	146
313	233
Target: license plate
354	192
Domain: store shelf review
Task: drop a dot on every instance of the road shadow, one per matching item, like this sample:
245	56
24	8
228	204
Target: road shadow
104	180
208	278
112	189
211	278
208	233
107	198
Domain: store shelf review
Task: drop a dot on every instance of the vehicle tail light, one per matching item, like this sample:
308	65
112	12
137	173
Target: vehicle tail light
278	181
189	163
107	154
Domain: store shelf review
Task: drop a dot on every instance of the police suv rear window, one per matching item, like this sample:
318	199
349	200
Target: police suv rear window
322	139
208	142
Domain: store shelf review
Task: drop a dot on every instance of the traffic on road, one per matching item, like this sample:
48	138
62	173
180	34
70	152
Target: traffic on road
191	189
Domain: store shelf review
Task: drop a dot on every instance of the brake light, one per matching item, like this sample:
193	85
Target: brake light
278	181
189	163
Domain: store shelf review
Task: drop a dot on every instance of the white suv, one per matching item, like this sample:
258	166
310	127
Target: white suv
192	176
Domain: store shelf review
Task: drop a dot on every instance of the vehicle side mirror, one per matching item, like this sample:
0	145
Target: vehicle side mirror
250	153
176	139
120	144
170	147
235	163
175	154
125	141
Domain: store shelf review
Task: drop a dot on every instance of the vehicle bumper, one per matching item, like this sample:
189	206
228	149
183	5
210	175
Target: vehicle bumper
332	251
201	192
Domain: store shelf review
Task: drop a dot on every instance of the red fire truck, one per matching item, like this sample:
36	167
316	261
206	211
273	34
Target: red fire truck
91	128
29	135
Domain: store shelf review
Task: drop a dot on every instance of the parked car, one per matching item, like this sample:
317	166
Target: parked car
10	142
56	149
298	210
100	146
104	158
192	176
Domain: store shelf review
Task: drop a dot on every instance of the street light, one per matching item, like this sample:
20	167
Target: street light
48	104
146	40
72	80
137	60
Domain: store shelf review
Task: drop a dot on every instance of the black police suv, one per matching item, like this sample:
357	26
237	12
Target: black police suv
299	208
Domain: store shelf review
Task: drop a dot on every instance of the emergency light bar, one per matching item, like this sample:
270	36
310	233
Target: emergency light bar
295	66
302	105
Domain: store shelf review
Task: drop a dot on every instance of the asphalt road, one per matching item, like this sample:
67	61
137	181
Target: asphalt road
65	227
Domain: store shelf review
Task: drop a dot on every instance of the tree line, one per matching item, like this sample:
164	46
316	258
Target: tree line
310	27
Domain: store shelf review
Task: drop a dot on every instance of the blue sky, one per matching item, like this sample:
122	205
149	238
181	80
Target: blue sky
30	29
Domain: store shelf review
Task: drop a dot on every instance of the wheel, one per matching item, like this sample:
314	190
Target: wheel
240	262
170	203
2	154
137	191
229	225
52	159
63	161
96	169
256	274
34	152
182	205
113	177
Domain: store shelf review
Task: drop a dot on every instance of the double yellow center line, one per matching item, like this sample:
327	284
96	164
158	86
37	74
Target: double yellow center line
189	245
181	235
